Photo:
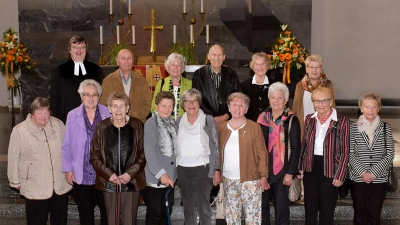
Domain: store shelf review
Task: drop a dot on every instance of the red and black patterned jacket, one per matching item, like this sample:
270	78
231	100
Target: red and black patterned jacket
336	147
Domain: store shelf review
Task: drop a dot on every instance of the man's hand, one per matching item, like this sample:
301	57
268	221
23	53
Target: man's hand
166	180
124	178
69	176
220	119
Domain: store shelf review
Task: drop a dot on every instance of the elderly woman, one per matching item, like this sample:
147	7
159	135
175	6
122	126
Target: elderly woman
244	162
197	159
371	154
161	146
324	157
175	83
314	78
34	165
80	126
117	156
281	129
256	87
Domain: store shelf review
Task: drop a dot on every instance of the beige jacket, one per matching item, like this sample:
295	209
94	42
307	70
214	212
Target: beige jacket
34	159
140	94
252	150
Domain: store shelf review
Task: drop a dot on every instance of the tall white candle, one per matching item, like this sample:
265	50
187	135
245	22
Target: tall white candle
207	34
201	7
129	7
174	34
117	35
184	6
191	33
133	35
101	35
111	7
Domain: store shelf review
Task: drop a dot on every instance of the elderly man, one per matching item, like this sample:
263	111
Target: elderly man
65	78
216	83
133	84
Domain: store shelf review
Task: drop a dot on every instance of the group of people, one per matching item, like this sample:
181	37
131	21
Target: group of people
205	131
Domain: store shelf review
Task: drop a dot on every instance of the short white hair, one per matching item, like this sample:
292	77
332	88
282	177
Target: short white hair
174	56
90	82
279	86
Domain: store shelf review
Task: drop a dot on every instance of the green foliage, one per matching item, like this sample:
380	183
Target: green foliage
186	51
110	58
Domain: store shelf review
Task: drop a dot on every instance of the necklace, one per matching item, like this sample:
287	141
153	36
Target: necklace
235	127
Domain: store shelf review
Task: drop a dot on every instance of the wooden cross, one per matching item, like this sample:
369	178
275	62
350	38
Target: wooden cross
153	28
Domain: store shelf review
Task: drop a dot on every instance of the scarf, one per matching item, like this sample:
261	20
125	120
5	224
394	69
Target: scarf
185	126
166	135
276	137
178	93
306	83
369	128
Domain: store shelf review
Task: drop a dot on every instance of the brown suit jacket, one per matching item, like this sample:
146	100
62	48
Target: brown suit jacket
140	94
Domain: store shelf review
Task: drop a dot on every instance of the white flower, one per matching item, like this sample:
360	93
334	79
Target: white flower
15	36
10	45
298	65
295	55
284	27
281	64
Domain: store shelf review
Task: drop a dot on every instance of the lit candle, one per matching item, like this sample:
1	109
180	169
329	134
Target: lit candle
201	7
133	35
184	6
117	35
207	34
129	7
101	35
191	33
111	7
174	34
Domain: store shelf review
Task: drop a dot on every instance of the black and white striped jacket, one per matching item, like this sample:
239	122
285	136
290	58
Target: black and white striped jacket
374	159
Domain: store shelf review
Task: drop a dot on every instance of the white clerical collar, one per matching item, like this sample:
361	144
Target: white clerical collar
76	70
266	81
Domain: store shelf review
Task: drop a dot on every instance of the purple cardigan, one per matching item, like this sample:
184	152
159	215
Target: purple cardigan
75	139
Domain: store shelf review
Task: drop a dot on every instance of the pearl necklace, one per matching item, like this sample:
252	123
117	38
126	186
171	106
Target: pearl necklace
238	126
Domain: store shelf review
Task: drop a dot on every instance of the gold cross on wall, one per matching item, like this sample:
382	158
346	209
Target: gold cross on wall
153	28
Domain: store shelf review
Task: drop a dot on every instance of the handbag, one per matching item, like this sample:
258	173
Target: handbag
295	188
220	203
392	176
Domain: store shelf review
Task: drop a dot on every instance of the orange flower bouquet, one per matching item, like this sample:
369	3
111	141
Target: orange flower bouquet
14	57
287	53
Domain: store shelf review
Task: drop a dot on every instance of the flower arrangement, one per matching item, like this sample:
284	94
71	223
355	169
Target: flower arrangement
287	53
14	57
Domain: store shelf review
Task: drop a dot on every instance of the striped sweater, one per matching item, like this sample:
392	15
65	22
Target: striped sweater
374	159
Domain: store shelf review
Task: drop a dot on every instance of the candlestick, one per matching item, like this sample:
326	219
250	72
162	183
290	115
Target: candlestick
129	7
174	34
111	11
101	35
117	35
191	33
184	6
207	34
202	8
133	35
101	59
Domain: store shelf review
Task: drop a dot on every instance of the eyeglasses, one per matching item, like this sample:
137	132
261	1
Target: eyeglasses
314	67
260	65
190	102
78	47
90	96
323	101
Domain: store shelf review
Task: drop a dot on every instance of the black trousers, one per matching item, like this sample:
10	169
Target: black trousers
280	193
37	211
156	211
319	194
86	198
367	202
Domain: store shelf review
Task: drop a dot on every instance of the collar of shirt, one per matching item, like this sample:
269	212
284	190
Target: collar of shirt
123	77
212	71
76	69
332	117
266	81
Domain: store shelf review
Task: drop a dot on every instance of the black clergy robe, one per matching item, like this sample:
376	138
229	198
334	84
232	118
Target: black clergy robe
64	86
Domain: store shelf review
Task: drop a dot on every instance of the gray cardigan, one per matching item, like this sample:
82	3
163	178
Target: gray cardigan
157	164
211	129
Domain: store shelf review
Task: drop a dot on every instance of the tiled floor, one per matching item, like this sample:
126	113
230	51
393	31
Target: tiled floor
391	117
